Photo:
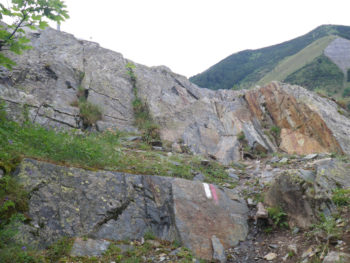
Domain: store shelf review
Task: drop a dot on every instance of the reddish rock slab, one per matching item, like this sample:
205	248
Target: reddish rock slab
202	211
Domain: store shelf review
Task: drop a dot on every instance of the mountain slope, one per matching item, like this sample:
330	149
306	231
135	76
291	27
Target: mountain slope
247	68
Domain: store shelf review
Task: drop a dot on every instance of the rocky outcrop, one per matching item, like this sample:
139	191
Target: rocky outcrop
303	131
115	206
306	194
49	77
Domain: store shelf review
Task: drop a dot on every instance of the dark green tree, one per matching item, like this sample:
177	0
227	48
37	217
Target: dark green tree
31	14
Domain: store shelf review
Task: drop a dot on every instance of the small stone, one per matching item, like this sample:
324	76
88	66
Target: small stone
169	154
334	256
270	256
262	212
293	248
133	138
199	177
284	160
219	251
310	156
268	167
274	159
285	257
157	148
233	176
273	246
88	247
295	230
251	202
153	243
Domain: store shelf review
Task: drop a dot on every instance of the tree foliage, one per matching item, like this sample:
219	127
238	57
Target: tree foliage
32	14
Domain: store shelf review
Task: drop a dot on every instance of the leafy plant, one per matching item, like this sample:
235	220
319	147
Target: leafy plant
26	14
59	249
275	131
341	197
278	217
90	113
241	136
143	118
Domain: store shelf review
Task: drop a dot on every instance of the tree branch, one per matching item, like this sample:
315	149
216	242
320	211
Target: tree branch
17	27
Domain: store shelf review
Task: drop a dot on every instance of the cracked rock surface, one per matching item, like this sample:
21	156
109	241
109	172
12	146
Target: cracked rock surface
116	206
47	79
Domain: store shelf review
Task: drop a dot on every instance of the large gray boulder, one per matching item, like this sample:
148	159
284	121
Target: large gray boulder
116	206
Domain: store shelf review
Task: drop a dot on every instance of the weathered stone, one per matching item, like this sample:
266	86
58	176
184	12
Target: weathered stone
219	251
310	156
261	213
201	211
88	247
303	131
284	160
270	256
116	206
334	257
199	177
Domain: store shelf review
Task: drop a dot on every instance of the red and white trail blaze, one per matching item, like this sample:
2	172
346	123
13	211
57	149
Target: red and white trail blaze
210	192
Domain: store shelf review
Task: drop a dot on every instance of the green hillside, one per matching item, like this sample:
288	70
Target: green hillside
320	74
293	63
250	67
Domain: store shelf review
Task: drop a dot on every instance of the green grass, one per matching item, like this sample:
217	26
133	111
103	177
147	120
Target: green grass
341	197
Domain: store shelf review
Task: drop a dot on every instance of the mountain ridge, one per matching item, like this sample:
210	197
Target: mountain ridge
246	68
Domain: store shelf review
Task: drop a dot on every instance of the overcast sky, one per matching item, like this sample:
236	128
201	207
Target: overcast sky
189	36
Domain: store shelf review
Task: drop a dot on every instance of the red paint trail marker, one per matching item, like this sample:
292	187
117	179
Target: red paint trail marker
213	192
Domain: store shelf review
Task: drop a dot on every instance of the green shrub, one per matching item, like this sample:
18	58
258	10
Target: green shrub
142	115
90	113
341	197
275	131
13	198
241	136
346	92
278	217
59	249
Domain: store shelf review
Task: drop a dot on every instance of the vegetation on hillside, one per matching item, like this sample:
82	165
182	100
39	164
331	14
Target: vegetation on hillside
321	73
243	69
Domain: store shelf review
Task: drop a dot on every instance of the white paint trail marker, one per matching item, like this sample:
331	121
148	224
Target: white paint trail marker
207	190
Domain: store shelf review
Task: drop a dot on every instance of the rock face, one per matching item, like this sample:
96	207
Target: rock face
114	206
49	77
305	194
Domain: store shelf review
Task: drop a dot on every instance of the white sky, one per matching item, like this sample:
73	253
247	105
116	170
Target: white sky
189	36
